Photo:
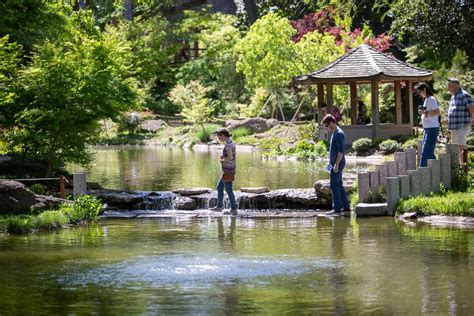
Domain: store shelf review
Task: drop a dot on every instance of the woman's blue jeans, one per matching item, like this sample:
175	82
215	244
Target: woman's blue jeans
430	136
339	195
230	194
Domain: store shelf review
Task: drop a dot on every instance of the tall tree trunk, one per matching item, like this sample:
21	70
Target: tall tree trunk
252	11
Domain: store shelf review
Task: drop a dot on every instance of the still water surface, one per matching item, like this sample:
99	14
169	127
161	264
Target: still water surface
239	266
153	168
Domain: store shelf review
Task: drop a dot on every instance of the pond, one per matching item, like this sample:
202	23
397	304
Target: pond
154	168
216	266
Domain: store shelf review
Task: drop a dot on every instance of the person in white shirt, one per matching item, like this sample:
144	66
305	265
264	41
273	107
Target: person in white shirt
430	115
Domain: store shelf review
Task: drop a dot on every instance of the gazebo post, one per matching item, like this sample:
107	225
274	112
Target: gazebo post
329	96
320	101
410	102
374	85
398	102
353	88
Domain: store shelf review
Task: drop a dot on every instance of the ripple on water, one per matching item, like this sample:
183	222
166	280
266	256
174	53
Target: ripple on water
188	270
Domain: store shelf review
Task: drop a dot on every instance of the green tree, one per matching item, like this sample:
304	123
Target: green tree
216	35
152	54
67	89
193	102
30	22
266	54
436	27
9	60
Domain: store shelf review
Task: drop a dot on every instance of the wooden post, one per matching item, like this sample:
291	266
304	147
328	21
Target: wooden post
329	96
320	101
196	49
409	89
374	85
353	88
398	102
62	187
465	158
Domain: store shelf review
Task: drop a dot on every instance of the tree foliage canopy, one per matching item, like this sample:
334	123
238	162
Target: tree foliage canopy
68	87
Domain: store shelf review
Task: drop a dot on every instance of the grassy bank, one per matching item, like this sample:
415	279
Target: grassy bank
83	209
444	203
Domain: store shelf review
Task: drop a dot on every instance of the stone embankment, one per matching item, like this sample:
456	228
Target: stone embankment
318	197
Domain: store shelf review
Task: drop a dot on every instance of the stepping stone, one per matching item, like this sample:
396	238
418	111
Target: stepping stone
192	191
256	190
371	209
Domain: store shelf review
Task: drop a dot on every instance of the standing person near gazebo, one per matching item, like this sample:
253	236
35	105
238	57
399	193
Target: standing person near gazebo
460	114
430	120
337	162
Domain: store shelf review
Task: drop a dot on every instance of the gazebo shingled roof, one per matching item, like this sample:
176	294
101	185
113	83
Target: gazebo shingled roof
364	64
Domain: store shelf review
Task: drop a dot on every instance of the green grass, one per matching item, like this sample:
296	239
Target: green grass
49	220
204	135
84	208
450	203
16	224
240	132
126	138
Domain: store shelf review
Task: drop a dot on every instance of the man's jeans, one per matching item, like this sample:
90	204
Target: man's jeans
430	136
339	195
230	194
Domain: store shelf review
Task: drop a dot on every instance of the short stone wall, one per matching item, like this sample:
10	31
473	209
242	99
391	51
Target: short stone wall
402	178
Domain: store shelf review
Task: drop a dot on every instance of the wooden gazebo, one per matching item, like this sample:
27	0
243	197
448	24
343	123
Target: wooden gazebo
365	65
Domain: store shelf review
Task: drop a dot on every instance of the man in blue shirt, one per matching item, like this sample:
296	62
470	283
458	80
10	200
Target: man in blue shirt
337	162
460	114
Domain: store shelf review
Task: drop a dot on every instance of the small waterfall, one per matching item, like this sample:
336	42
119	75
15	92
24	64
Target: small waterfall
157	201
205	201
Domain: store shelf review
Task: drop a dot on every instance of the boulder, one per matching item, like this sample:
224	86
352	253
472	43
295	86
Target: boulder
192	191
151	126
255	125
15	197
322	189
44	202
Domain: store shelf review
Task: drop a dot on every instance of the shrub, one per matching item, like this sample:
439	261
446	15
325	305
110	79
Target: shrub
249	140
84	207
362	145
271	144
308	131
377	141
411	143
306	150
470	143
389	146
204	135
241	132
38	189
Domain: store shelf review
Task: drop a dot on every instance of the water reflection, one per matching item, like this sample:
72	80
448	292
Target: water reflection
161	168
